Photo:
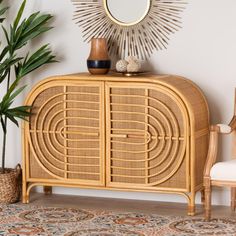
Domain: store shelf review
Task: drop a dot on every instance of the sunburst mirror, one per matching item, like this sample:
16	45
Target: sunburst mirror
131	27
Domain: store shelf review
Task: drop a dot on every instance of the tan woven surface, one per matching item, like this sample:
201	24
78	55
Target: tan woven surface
156	137
10	185
146	133
64	133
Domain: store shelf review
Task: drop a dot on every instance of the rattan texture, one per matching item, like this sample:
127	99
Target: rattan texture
10	186
148	140
147	133
64	133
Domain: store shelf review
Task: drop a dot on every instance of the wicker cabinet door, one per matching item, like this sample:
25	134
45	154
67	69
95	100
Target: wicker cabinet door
147	138
66	133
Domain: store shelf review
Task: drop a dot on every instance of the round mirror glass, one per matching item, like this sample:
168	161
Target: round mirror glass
127	12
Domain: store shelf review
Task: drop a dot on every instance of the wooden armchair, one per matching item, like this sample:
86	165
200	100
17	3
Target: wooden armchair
221	173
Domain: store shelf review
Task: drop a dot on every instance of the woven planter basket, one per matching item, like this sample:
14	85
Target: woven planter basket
10	186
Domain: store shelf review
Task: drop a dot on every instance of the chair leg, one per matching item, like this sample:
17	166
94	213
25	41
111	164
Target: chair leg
208	202
233	194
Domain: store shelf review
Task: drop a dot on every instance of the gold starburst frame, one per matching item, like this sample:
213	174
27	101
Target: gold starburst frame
139	38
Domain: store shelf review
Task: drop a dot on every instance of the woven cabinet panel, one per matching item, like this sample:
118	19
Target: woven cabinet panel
147	137
141	133
66	133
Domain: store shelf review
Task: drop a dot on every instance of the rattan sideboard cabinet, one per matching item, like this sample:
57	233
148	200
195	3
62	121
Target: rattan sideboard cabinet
145	133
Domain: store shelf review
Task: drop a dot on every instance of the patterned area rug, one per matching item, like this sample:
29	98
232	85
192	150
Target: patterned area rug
22	219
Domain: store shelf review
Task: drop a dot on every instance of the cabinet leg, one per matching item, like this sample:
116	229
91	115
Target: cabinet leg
191	206
25	196
25	199
47	190
203	196
191	210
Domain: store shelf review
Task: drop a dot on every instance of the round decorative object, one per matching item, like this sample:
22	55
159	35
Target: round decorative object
98	61
130	28
121	12
121	66
131	59
133	67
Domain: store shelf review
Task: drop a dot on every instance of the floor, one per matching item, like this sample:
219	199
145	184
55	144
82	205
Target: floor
121	205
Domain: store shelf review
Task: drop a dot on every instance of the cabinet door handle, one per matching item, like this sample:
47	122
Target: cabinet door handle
119	135
81	133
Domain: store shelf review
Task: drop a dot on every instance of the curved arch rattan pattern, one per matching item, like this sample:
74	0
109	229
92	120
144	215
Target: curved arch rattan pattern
172	117
151	125
49	126
162	138
141	39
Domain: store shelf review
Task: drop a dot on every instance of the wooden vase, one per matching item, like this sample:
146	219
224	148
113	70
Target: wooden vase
98	61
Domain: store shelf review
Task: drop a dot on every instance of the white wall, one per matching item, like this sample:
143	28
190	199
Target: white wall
204	50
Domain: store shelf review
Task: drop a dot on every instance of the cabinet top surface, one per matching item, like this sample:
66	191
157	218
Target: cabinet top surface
174	82
112	77
168	80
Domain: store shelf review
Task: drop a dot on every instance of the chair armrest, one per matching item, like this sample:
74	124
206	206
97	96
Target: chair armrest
222	128
212	150
215	130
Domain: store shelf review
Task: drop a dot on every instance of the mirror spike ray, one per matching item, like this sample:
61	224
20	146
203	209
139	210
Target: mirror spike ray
140	38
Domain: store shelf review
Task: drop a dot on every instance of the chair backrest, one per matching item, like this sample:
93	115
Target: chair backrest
232	124
235	102
233	149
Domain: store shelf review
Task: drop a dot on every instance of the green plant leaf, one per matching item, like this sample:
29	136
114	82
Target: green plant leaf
39	58
4	52
3	124
12	42
31	18
19	14
18	33
9	97
17	36
38	22
5	66
44	51
20	112
12	119
31	35
3	75
6	34
13	85
29	29
2	11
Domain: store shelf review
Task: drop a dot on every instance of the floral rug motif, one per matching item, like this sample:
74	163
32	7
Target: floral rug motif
20	219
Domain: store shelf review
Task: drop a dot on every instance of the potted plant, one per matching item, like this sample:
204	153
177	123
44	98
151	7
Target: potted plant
13	68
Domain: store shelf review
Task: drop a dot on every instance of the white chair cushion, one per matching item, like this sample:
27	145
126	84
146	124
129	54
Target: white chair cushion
224	129
224	171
